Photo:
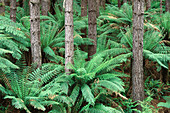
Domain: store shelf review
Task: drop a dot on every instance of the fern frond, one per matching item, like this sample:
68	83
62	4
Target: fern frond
87	94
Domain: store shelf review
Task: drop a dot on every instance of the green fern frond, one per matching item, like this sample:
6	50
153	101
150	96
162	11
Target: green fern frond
87	94
18	103
37	105
110	85
75	93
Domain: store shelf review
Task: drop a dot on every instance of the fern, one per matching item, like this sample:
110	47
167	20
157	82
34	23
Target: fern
167	104
38	92
87	94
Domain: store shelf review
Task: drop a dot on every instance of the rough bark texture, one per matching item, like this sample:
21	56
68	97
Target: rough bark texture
119	3
45	7
35	32
137	64
83	8
92	33
13	10
160	6
2	7
167	2
69	42
148	4
97	8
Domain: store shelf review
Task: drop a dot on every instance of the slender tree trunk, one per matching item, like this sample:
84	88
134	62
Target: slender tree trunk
13	10
35	32
26	7
2	7
103	3
97	8
137	64
45	7
148	4
167	2
83	8
92	29
84	14
69	42
160	6
119	3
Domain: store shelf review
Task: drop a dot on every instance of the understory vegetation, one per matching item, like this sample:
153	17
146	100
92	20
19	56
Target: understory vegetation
99	85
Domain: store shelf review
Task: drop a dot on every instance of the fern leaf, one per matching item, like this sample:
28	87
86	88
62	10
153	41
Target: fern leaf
87	94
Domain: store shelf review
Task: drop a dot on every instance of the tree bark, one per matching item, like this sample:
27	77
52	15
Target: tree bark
148	4
92	29
103	3
2	7
26	7
13	10
97	8
83	8
160	6
69	42
45	7
137	64
83	14
119	3
35	32
167	2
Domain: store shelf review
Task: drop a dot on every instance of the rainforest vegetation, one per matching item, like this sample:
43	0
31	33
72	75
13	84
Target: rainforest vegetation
84	56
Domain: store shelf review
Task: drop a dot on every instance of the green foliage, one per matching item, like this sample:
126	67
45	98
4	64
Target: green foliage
153	48
32	87
154	88
147	107
167	104
92	79
12	41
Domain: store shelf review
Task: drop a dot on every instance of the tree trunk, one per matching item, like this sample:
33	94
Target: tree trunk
2	7
69	42
103	3
84	14
26	7
167	2
137	64
148	4
160	6
97	8
45	7
92	28
119	3
35	32
83	8
13	10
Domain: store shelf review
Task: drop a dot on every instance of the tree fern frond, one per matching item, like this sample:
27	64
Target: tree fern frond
75	93
87	94
18	103
37	105
110	85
